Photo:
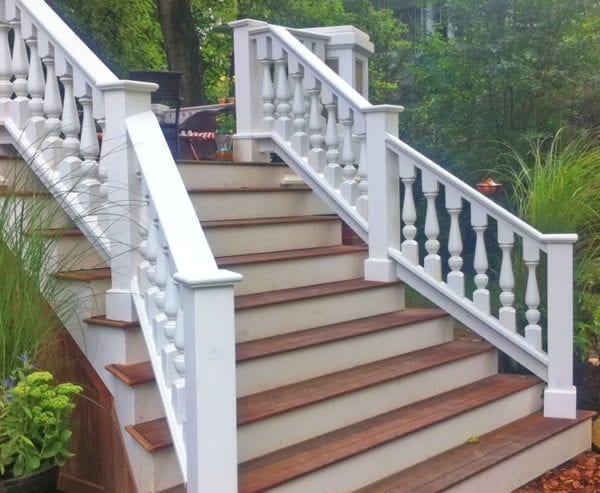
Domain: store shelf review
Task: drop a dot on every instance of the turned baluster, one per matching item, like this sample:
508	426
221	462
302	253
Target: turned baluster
6	89
267	94
456	278
300	142
316	156
52	103
35	86
410	247
283	124
507	313
362	202
20	68
481	296
143	225
70	118
161	274
178	385
90	150
533	331
349	187
432	262
333	171
170	307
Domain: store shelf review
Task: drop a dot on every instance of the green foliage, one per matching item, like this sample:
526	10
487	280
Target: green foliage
225	121
515	69
34	414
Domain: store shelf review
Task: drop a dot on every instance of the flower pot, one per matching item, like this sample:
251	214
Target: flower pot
221	100
43	481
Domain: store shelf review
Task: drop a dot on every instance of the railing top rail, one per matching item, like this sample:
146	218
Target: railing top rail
493	209
312	62
190	251
61	36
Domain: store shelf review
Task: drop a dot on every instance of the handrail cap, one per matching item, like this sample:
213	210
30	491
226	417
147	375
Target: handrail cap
219	277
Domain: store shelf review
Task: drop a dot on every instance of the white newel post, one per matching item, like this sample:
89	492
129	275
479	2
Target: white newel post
560	396
248	90
383	192
122	99
210	426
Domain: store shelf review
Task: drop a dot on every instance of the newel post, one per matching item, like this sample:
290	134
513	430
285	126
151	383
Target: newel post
248	101
383	192
121	191
560	396
210	427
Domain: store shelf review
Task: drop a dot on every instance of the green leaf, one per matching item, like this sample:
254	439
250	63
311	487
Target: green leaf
52	450
32	462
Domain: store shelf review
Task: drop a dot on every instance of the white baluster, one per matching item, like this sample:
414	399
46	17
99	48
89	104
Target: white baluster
20	68
70	118
410	247
456	278
171	306
362	202
481	296
267	94
90	150
178	385
143	227
53	109
6	89
349	187
283	124
316	155
333	171
300	142
432	262
507	313
35	86
533	331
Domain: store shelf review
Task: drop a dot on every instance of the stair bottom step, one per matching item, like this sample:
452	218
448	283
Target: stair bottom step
498	461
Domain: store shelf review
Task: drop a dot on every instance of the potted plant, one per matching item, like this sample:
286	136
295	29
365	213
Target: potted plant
34	429
223	136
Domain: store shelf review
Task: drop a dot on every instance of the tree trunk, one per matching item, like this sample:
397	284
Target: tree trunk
182	47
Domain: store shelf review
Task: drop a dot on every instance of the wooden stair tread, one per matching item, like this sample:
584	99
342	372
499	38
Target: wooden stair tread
303	292
253	258
180	488
63	232
329	333
282	399
283	465
152	435
454	466
228	163
107	322
133	373
7	191
86	275
280	188
268	220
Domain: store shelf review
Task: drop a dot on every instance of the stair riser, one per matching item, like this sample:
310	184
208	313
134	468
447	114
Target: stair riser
270	434
18	176
263	238
140	402
533	462
88	297
294	366
292	273
41	211
232	175
283	318
239	204
74	253
380	462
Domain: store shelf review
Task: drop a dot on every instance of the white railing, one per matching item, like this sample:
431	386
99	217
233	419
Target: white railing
348	151
125	193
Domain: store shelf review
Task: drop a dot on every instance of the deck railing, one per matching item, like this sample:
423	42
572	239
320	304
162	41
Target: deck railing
290	102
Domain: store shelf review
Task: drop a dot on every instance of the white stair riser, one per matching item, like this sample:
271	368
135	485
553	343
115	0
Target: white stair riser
292	273
285	429
531	463
74	252
89	296
261	238
143	401
372	465
282	318
232	175
42	212
293	366
18	176
239	204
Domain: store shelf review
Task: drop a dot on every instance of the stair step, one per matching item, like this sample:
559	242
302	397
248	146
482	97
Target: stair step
151	435
451	468
231	175
255	202
311	455
311	337
132	374
271	402
72	249
293	268
84	275
243	236
301	293
116	324
180	488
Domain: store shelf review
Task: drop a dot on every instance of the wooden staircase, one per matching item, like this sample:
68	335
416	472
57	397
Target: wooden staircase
341	387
